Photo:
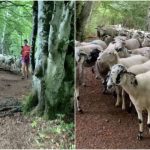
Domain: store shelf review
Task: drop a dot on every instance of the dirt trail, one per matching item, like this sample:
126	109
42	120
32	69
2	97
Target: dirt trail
12	85
15	131
103	125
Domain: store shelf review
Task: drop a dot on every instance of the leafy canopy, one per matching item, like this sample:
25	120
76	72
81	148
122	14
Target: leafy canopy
131	14
15	25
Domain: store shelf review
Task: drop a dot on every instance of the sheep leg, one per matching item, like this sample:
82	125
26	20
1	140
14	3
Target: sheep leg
130	107
123	100
148	121
77	100
118	97
81	71
83	77
98	76
93	69
140	118
78	106
104	89
77	86
104	82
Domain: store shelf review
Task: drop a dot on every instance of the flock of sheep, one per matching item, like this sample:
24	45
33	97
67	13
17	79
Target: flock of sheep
10	63
121	60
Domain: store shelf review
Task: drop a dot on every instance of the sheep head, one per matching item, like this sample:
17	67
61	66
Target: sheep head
119	45
146	41
109	57
116	74
109	81
93	56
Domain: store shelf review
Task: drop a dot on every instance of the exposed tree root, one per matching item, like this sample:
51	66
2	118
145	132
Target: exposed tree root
8	70
9	106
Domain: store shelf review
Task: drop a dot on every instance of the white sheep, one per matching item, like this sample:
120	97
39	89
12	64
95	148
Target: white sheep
94	42
77	43
99	42
101	68
118	45
86	56
140	68
144	51
123	38
136	69
88	48
139	35
137	86
146	41
77	85
131	44
111	58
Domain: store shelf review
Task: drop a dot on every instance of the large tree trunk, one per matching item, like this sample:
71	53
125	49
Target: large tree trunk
83	11
34	34
53	76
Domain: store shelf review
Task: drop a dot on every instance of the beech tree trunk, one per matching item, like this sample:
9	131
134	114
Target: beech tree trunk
34	34
83	11
53	77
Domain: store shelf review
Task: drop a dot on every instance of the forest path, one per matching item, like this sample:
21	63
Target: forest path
15	131
104	126
24	132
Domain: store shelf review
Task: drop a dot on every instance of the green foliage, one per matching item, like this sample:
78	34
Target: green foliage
16	16
29	102
54	134
34	124
131	14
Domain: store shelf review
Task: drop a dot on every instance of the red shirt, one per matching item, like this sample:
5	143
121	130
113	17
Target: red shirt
26	51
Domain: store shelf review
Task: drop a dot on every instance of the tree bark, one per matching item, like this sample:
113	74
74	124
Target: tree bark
83	12
53	76
34	34
45	10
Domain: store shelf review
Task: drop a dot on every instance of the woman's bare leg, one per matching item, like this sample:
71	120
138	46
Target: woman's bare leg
27	70
23	70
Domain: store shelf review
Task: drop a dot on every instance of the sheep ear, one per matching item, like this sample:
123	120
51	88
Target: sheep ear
135	83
